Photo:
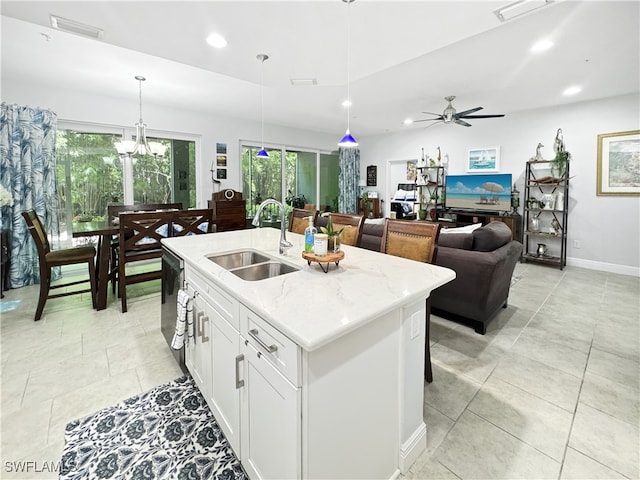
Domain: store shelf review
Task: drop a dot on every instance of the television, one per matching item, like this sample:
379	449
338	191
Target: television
488	192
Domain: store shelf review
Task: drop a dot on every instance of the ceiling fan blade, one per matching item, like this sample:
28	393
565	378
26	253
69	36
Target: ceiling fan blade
462	122
439	115
428	120
483	116
466	112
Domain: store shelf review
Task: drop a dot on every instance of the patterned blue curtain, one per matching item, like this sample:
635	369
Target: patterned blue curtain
348	179
28	173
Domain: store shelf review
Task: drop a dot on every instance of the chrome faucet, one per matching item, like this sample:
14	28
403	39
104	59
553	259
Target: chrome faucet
284	243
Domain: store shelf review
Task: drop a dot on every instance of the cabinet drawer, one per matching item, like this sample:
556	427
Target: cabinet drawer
278	349
224	304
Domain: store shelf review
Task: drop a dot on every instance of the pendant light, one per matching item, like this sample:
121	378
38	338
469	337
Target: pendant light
348	140
141	147
262	153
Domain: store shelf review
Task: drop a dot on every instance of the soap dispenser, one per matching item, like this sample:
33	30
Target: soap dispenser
309	236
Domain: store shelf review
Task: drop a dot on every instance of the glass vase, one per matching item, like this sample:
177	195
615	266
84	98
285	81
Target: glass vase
534	223
334	244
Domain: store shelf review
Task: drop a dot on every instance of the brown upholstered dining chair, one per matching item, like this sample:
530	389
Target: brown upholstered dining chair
299	219
56	258
349	236
415	241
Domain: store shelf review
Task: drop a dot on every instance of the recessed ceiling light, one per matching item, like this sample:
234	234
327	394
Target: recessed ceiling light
573	90
346	103
216	40
541	46
408	121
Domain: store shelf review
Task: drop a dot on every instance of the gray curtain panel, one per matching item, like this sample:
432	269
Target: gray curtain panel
348	179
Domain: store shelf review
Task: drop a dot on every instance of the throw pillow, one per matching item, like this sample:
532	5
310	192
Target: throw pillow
491	236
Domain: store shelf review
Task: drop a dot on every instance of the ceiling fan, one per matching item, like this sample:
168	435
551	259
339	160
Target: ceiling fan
449	114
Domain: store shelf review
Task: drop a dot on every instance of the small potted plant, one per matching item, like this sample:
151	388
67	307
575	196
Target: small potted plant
334	236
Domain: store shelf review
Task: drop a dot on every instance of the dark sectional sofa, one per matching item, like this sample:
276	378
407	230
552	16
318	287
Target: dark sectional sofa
483	260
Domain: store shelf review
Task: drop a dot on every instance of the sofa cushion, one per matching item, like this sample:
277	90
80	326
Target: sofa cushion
458	240
490	237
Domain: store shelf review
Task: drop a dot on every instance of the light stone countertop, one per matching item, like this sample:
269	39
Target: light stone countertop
311	307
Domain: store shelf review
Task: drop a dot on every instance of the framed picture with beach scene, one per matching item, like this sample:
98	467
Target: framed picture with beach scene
619	163
483	160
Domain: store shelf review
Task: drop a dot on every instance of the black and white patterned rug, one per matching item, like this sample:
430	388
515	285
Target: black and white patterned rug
165	433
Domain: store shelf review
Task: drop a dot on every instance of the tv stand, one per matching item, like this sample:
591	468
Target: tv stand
460	218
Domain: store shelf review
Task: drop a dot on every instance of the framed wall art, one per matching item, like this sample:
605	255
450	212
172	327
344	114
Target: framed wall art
372	176
619	163
484	160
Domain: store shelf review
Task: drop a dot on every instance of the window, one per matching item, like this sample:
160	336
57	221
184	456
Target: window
289	176
91	175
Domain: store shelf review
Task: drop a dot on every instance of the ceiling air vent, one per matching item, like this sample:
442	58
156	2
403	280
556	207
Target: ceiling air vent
303	82
519	8
75	27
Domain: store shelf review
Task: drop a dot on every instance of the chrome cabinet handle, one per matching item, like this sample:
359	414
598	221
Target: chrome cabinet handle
205	339
269	348
239	383
199	330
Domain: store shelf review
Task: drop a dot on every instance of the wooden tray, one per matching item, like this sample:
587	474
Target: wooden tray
328	258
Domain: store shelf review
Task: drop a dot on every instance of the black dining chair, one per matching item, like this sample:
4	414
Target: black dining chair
55	258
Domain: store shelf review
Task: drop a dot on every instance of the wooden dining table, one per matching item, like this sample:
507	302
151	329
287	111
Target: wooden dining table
104	231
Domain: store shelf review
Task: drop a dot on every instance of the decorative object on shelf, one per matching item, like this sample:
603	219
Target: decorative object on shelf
619	163
560	201
484	160
548	200
538	157
348	141
423	161
561	159
542	250
439	158
422	214
139	147
262	153
555	228
534	221
515	199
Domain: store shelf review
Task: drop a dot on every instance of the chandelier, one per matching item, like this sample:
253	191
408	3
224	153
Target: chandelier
140	147
348	141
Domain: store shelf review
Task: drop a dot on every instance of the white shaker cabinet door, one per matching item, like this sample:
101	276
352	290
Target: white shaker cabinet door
198	352
226	381
271	425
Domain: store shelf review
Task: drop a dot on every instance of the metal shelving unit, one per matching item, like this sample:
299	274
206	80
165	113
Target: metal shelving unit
430	183
548	243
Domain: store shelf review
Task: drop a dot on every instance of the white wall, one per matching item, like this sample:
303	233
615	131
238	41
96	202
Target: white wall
81	107
608	228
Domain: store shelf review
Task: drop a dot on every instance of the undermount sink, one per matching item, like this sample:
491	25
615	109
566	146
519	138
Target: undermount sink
264	270
238	259
251	265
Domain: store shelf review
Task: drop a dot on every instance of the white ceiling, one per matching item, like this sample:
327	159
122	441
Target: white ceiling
405	56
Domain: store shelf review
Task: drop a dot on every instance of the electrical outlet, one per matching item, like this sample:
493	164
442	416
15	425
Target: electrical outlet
577	244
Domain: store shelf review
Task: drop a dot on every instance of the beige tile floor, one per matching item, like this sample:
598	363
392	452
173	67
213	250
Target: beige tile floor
551	391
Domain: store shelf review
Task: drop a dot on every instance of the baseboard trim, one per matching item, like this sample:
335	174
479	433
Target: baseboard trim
413	448
604	267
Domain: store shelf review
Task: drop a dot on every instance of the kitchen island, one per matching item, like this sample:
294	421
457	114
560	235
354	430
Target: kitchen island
311	374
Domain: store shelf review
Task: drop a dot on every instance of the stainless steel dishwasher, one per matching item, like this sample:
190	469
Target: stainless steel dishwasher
172	281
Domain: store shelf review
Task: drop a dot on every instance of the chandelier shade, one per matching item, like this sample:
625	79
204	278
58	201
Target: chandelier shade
140	146
262	153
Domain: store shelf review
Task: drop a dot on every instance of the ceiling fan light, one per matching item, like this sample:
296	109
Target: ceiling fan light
262	153
348	141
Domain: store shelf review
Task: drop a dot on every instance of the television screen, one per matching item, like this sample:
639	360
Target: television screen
491	192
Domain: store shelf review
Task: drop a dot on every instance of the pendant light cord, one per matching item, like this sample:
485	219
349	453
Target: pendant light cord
349	65
262	103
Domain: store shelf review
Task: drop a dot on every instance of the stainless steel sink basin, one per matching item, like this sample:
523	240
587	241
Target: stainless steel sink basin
264	270
238	259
